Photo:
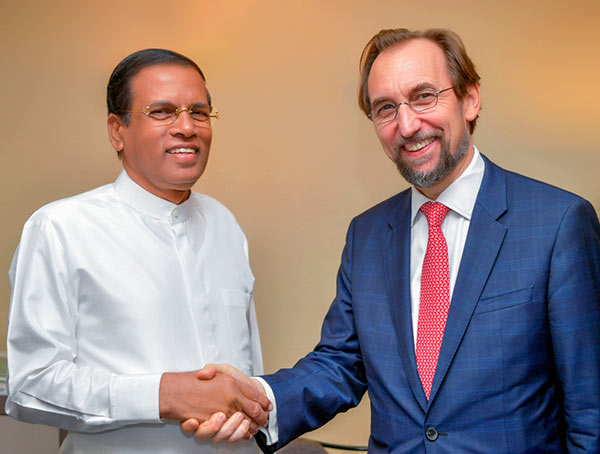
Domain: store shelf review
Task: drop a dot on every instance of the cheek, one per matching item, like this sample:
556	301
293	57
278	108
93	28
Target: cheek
146	143
386	138
206	136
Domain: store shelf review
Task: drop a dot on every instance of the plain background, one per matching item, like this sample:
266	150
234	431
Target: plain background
292	155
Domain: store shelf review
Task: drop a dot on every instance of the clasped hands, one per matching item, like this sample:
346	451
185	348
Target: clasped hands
218	402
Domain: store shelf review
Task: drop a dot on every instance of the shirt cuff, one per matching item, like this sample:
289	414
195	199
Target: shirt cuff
271	431
135	397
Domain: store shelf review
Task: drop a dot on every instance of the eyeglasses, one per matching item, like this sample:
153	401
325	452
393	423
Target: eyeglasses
166	114
419	101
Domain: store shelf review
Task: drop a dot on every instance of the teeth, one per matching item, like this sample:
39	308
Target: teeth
418	145
181	150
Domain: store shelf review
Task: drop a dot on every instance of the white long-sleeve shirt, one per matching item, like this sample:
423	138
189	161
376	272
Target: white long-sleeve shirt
110	289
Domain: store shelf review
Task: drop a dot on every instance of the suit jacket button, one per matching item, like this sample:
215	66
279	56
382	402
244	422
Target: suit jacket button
432	434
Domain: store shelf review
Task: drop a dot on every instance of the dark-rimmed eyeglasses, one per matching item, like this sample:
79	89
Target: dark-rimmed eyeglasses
166	114
419	101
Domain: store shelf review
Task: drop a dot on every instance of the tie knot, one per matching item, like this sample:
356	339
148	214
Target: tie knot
435	213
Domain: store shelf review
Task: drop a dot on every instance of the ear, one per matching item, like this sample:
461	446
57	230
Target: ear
115	126
471	103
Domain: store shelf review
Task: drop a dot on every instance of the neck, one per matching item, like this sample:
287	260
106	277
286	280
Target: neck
179	197
433	192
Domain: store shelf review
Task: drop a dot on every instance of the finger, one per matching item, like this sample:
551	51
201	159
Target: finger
207	372
254	411
241	433
230	427
252	427
189	425
263	400
255	392
226	369
211	427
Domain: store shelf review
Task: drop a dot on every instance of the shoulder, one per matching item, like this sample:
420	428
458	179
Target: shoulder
213	210
387	209
209	204
69	210
527	191
390	213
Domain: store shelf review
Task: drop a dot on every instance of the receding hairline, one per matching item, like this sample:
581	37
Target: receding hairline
402	44
460	67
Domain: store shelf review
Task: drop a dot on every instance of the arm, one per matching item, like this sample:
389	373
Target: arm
50	384
332	378
45	384
574	310
329	380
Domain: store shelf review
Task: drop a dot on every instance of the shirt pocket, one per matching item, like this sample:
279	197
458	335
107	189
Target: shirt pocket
237	306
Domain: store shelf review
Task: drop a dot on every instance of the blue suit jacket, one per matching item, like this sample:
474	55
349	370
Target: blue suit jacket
519	367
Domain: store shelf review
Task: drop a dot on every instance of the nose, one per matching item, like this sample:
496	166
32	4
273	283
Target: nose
409	121
183	124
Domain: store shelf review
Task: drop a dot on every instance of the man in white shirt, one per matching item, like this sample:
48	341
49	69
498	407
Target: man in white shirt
120	294
468	305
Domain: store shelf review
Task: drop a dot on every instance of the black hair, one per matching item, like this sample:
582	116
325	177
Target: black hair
118	92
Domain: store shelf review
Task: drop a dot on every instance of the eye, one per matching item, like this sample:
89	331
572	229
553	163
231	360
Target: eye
425	95
422	98
161	112
385	109
200	113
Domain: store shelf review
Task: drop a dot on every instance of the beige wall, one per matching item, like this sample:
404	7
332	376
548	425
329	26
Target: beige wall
292	157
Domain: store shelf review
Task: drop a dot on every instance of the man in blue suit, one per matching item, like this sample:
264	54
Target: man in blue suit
482	339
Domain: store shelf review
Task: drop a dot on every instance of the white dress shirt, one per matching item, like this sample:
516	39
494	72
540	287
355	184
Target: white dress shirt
460	197
110	289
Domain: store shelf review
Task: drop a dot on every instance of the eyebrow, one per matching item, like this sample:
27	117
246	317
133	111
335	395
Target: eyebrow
417	88
161	102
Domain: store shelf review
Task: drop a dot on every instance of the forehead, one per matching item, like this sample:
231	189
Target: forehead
401	67
168	82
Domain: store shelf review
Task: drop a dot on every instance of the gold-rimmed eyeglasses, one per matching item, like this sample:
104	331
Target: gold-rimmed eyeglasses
419	101
166	114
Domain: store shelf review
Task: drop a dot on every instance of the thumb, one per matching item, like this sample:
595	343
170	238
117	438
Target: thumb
190	425
207	372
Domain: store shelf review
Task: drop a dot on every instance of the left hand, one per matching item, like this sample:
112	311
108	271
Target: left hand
218	427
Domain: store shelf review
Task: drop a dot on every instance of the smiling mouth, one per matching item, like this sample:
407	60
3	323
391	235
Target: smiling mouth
416	146
182	151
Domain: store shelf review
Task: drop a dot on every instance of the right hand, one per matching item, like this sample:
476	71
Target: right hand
182	395
218	427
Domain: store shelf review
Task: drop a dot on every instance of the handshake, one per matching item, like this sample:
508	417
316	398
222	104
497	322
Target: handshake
217	402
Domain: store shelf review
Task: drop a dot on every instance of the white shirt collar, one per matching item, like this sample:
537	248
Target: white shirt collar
149	204
460	196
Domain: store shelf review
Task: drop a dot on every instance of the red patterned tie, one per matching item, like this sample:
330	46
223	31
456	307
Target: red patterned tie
435	295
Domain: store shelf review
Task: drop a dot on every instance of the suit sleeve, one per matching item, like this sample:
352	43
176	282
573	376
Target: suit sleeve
574	310
330	379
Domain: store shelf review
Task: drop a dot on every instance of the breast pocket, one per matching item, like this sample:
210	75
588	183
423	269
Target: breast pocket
237	307
504	301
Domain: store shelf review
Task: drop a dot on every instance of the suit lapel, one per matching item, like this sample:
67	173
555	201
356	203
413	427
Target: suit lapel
483	243
396	262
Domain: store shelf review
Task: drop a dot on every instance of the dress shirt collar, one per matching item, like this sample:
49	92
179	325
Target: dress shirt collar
149	204
460	196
